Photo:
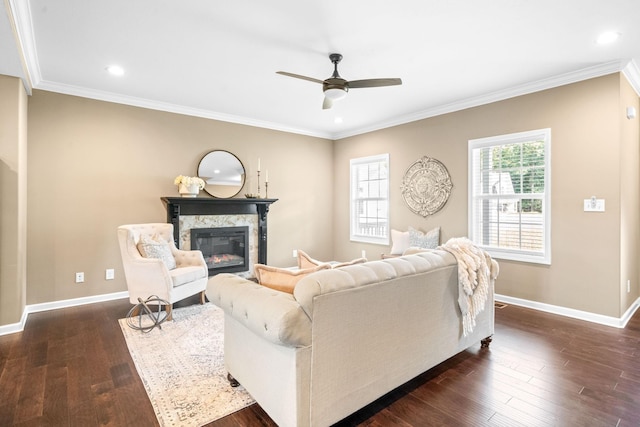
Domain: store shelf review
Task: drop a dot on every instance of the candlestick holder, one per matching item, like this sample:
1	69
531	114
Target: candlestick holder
266	190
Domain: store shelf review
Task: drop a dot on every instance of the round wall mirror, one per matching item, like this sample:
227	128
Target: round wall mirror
222	173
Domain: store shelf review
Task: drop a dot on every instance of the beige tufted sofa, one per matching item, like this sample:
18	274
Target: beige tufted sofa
148	276
346	336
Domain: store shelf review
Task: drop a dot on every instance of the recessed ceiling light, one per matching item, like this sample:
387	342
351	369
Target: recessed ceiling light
337	120
608	37
116	70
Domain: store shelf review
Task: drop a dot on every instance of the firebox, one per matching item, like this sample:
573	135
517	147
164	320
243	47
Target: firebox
225	249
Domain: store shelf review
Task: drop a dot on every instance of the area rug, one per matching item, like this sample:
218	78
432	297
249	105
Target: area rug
181	365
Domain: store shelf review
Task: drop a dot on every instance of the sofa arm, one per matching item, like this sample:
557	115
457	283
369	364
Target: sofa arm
271	314
144	275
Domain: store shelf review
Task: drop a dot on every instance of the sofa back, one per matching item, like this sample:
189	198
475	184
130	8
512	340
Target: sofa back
377	325
372	272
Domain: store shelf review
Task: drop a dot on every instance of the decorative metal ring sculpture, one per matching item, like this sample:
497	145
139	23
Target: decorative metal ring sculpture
426	186
139	310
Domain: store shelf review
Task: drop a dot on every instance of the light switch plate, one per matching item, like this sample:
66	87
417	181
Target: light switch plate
591	205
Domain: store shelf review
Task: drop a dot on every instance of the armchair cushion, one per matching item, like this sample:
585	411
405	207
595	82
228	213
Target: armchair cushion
156	247
182	275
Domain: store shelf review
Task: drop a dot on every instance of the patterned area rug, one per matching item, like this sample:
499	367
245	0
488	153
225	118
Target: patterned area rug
182	367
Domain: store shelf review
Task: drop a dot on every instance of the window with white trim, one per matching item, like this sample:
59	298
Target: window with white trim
369	213
510	195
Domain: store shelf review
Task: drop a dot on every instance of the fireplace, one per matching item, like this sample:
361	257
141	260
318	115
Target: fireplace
225	249
187	213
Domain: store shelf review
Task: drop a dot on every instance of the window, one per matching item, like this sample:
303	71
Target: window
370	199
509	195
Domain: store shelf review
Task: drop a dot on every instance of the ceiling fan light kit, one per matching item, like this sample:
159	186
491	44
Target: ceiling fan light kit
335	94
336	88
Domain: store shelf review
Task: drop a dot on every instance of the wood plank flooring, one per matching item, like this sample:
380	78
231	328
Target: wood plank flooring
71	367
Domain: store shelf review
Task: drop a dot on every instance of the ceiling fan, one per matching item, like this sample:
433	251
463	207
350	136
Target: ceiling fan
336	88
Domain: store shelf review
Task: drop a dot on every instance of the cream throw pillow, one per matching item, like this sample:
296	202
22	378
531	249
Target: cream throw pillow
399	241
283	279
352	262
305	261
157	247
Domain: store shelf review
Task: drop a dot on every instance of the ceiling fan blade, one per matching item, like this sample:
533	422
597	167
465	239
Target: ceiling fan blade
327	103
374	83
298	76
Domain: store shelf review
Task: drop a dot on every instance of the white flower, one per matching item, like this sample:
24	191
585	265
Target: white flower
189	180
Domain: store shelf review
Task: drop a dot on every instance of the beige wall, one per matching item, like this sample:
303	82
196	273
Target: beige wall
95	165
587	159
629	196
13	199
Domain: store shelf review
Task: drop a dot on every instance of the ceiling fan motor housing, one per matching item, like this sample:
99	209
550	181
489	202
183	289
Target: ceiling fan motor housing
335	88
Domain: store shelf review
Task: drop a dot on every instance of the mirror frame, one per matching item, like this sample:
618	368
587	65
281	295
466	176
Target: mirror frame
231	164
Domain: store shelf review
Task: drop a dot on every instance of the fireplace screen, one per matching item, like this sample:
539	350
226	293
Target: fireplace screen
225	249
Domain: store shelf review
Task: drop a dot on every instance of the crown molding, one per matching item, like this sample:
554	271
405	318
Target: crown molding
20	14
20	18
632	73
532	87
171	108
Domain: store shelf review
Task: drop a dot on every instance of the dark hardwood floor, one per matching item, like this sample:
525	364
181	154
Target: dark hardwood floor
71	367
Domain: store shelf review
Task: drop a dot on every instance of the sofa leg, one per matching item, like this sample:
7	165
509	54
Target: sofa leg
485	342
232	381
203	297
169	309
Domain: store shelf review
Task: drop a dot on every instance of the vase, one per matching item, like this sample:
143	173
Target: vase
191	190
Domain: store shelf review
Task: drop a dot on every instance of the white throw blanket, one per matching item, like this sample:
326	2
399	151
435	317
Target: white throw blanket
476	269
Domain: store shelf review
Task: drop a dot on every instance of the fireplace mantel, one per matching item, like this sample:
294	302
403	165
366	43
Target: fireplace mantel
177	206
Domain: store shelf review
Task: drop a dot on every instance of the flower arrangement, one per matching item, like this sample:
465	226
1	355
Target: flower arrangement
189	180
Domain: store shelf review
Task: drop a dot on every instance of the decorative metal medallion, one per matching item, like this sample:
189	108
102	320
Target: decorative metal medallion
426	186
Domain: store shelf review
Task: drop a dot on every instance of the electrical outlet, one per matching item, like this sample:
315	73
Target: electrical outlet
364	253
80	277
109	274
295	253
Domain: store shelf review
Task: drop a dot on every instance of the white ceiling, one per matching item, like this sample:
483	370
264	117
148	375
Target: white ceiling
219	59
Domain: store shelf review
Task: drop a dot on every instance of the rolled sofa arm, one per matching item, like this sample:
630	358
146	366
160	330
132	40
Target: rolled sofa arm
276	316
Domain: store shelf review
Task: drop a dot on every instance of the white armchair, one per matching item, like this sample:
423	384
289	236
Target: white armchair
146	276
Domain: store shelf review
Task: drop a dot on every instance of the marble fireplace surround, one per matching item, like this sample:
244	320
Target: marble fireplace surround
205	212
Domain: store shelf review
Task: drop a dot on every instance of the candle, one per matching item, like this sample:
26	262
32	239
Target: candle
258	164
266	176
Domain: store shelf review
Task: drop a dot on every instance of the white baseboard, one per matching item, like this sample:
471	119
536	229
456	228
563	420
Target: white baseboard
570	312
54	305
554	309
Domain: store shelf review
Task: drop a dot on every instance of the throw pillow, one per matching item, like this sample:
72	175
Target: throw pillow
157	247
400	241
428	240
352	262
305	261
283	279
